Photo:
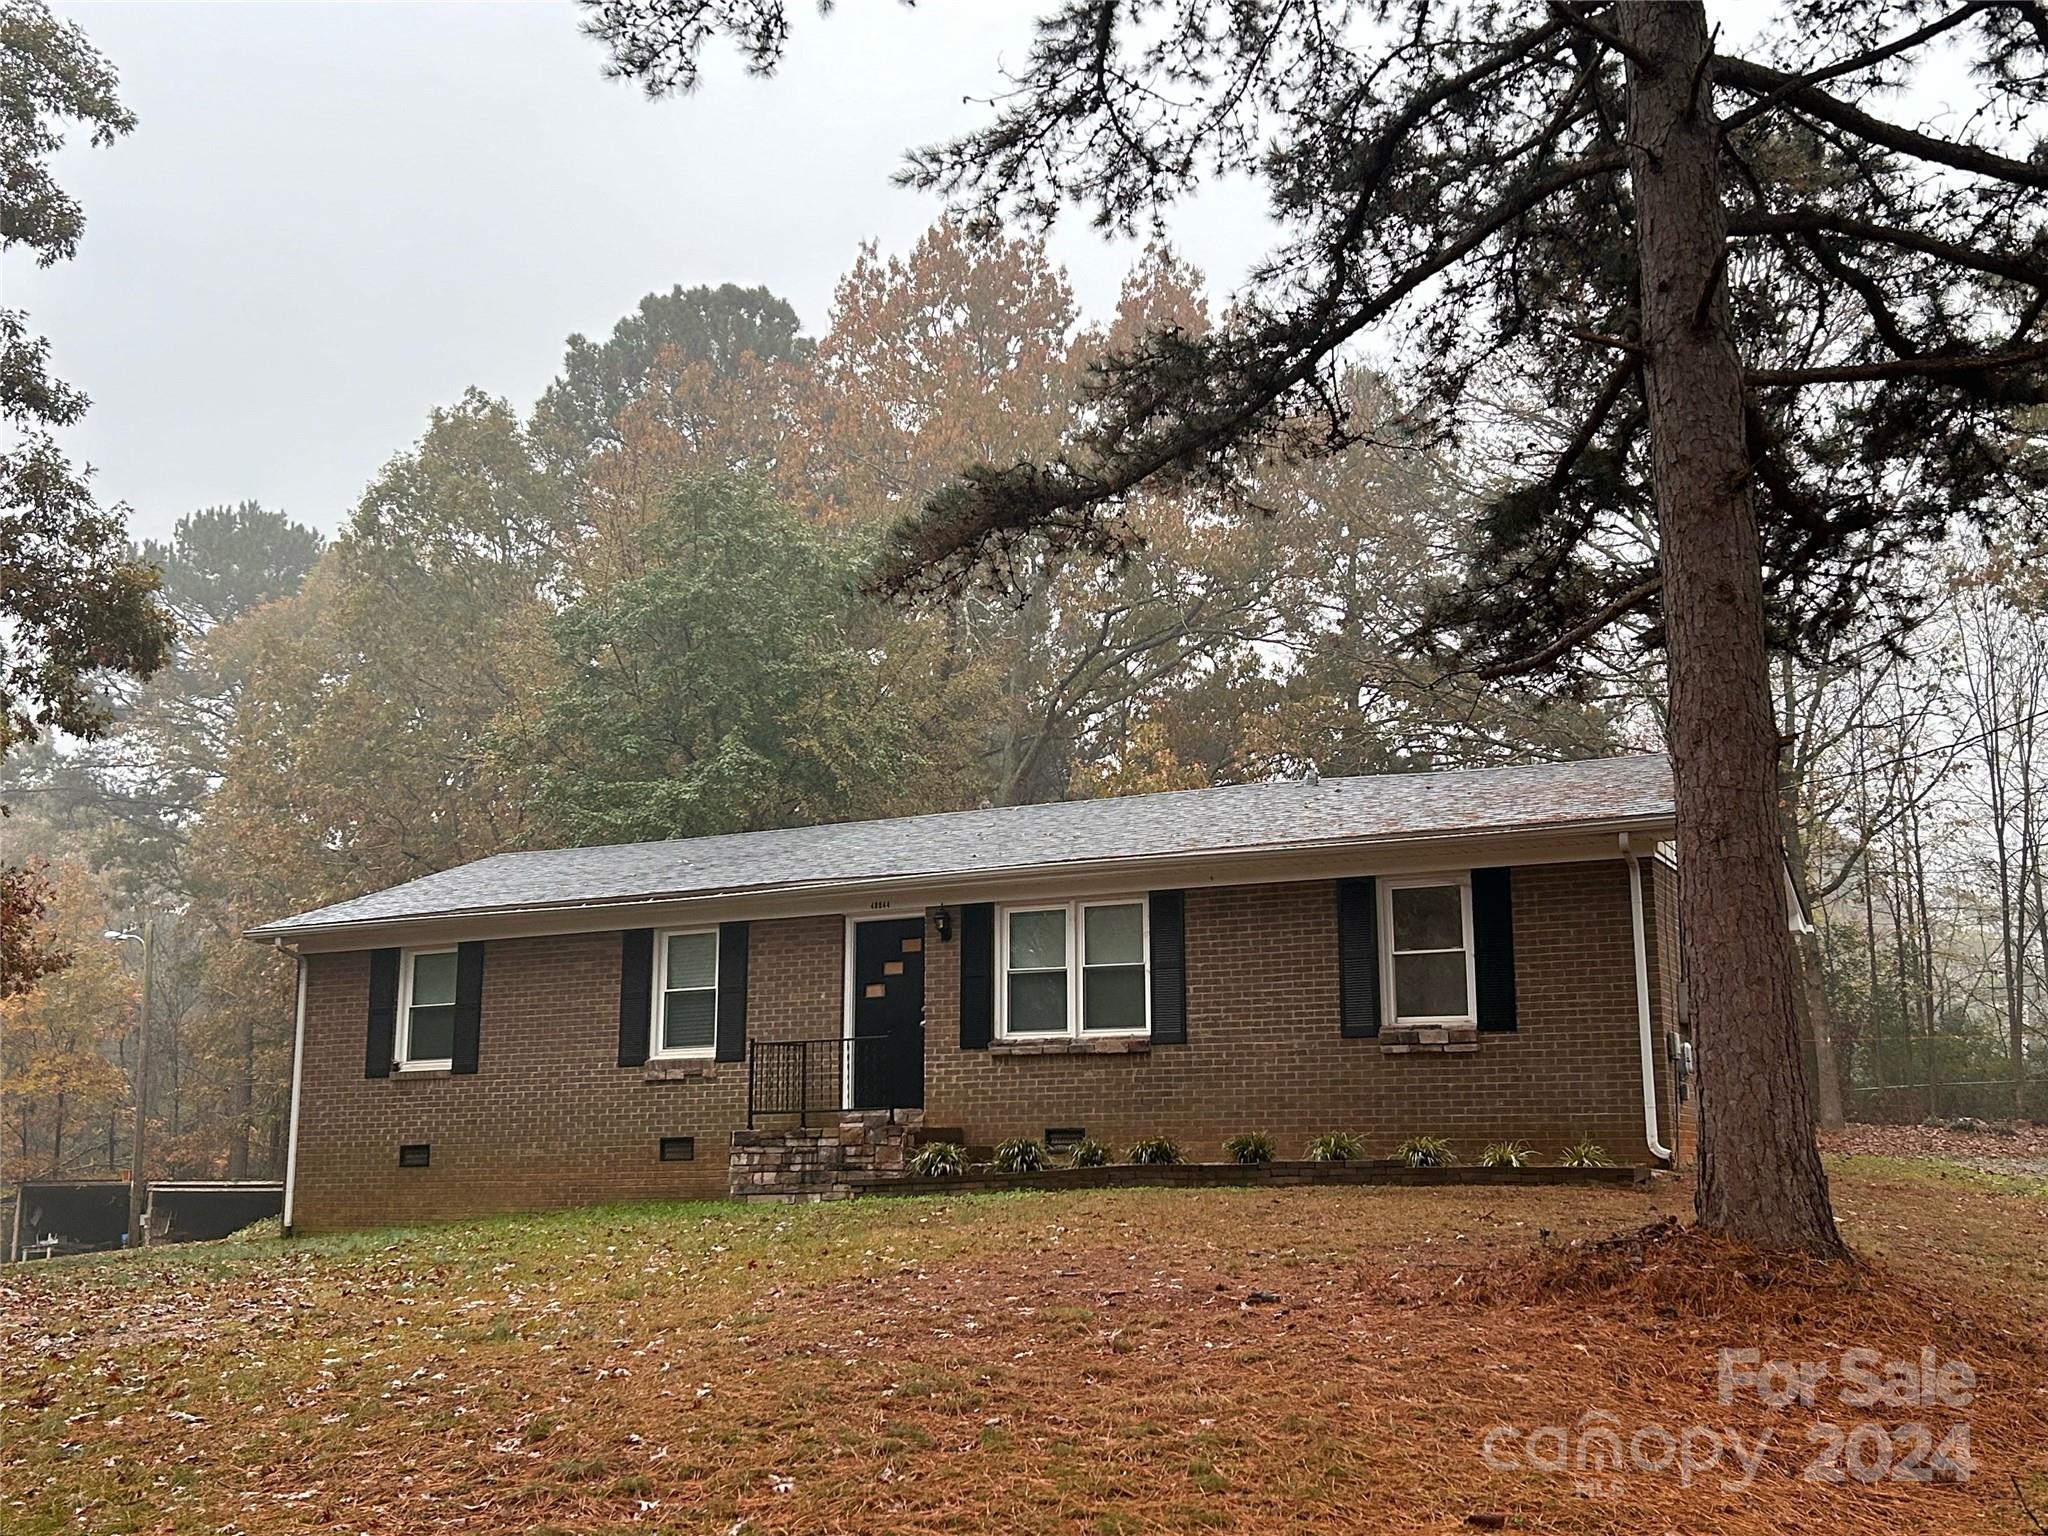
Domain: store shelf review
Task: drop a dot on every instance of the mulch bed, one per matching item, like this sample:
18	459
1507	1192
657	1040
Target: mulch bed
1221	1175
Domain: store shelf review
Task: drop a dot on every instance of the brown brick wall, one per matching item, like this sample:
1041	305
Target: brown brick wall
1264	1054
549	1119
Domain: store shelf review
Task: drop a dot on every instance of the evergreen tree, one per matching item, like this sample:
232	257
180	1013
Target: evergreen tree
717	691
1797	329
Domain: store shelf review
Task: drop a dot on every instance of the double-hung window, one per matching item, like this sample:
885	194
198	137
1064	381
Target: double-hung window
1427	925
426	1009
686	993
1074	968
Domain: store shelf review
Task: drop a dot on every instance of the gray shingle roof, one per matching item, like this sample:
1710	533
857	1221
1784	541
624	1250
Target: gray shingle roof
1232	819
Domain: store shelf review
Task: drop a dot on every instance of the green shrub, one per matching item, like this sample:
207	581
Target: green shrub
1087	1154
1249	1147
1020	1157
1507	1154
939	1160
1425	1152
1153	1149
1336	1147
1586	1154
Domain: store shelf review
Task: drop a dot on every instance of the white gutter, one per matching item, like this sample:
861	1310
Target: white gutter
291	1153
1635	901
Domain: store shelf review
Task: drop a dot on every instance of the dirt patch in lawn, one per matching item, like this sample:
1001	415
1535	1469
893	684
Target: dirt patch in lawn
1115	1361
2013	1148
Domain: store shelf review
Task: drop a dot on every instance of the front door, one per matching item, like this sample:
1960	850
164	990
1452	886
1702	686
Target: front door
888	1014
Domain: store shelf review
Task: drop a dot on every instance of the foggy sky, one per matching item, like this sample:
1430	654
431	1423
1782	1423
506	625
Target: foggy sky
333	217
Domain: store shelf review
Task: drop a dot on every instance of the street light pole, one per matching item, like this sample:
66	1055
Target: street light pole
135	1185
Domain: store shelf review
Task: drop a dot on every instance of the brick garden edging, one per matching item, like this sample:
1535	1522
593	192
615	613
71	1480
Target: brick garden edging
1212	1175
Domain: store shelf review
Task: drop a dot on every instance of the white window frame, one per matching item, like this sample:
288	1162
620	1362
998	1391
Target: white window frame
404	1055
658	1014
1076	967
1390	1008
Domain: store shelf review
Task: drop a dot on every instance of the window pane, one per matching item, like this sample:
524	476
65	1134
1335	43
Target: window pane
1114	997
692	960
433	1034
1429	986
433	978
1038	939
1038	1003
689	1020
1114	935
1428	917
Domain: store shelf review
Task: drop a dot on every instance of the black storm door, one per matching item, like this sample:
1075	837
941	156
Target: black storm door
888	1014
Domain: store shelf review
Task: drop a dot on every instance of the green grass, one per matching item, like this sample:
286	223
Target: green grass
1029	1362
1937	1171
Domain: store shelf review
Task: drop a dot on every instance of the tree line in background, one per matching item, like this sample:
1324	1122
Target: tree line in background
635	612
640	608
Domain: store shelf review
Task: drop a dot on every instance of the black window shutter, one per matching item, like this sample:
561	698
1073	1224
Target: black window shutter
469	1004
1493	947
383	1039
1169	968
732	993
977	975
1358	957
636	994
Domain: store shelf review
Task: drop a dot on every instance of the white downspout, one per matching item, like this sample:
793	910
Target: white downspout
1635	902
291	1152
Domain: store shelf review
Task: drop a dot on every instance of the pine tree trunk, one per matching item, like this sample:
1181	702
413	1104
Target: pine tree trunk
1760	1174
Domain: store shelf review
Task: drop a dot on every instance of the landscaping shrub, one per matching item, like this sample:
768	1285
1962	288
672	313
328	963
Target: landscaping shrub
1425	1152
1087	1154
1507	1154
1586	1154
1336	1147
939	1160
1154	1149
1249	1147
1020	1157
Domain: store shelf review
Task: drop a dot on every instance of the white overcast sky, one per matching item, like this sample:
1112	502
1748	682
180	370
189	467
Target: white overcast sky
333	217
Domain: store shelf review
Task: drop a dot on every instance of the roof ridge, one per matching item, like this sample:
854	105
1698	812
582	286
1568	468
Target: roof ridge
1405	775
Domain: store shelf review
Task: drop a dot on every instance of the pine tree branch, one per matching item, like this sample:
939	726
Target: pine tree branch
1919	366
1856	62
1761	80
1754	222
1581	20
1627	603
993	506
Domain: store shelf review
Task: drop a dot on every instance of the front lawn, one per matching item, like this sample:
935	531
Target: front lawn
1247	1360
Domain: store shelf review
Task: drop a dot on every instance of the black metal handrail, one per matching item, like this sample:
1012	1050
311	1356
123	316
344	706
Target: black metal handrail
823	1078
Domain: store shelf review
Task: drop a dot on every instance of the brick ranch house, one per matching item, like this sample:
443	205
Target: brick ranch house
1479	955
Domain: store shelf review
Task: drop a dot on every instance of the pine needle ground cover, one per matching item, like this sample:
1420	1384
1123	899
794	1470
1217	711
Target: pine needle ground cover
1122	1361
